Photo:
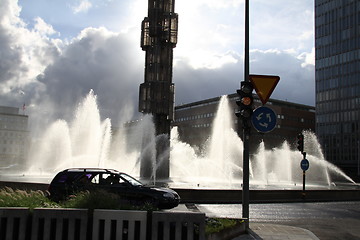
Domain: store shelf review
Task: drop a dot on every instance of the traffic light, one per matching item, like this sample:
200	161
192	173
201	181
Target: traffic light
300	142
245	101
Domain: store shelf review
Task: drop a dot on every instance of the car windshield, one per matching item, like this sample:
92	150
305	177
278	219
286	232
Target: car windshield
131	180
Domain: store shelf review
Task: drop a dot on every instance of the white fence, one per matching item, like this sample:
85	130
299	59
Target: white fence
79	224
58	224
178	225
14	223
118	224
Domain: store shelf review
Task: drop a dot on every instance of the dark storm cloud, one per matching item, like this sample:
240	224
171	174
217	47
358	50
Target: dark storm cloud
98	60
296	81
296	77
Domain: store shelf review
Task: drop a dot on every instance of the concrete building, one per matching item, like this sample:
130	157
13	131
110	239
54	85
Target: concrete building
194	121
337	46
14	137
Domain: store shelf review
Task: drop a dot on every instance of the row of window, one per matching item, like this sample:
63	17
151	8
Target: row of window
13	119
339	148
13	126
204	125
194	117
327	79
324	7
344	63
12	150
207	125
195	106
347	26
339	95
348	128
326	46
12	134
335	82
336	59
338	117
332	14
299	119
12	142
337	105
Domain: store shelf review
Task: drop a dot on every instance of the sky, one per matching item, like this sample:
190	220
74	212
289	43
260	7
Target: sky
53	53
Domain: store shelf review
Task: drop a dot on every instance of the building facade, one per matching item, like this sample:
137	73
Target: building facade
14	138
195	120
337	48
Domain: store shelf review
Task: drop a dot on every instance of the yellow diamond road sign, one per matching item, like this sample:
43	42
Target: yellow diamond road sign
264	85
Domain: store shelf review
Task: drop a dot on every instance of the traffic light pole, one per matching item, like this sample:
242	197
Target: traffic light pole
246	129
304	177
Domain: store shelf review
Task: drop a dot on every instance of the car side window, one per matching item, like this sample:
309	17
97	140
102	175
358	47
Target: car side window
96	179
111	179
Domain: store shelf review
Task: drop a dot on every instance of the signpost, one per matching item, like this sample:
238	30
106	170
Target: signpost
264	119
264	85
304	164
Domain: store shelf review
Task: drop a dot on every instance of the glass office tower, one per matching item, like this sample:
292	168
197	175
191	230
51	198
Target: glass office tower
337	45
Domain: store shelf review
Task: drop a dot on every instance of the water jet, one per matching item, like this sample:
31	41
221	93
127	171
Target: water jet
87	141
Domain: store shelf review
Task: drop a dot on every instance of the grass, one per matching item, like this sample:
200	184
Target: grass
215	225
21	198
86	200
102	200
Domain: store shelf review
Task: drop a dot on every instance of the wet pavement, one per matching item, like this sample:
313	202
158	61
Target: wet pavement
275	231
308	220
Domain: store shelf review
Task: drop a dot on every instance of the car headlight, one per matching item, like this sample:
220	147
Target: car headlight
168	195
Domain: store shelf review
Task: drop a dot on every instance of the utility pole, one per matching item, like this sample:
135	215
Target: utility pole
156	94
358	151
246	128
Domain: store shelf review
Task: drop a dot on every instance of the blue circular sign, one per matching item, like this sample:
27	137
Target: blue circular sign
263	119
304	164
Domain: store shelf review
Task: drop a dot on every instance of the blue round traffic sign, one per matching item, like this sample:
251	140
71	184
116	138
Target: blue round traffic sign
304	164
263	119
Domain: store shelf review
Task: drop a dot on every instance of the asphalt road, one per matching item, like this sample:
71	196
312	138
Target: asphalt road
327	220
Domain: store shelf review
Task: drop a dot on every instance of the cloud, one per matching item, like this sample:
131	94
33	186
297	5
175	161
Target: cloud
43	28
24	53
52	75
97	59
296	79
308	58
81	6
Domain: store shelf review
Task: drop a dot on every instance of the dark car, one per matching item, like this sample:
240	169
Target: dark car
73	180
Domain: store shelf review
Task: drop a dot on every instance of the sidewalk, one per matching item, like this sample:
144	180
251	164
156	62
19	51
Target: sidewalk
274	231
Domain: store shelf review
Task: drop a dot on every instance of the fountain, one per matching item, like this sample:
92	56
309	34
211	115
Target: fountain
88	142
221	162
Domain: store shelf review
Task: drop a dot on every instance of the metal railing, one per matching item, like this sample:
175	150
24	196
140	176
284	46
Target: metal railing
81	224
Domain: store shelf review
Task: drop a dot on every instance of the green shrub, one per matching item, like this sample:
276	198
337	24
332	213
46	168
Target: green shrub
93	200
22	198
102	200
214	225
86	200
